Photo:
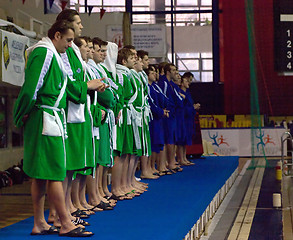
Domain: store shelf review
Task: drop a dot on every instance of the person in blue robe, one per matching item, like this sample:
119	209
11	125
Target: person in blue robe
170	123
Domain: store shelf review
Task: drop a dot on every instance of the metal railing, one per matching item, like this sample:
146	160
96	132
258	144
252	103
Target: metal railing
286	164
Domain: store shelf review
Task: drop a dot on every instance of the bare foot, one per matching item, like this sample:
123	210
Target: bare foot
150	176
43	226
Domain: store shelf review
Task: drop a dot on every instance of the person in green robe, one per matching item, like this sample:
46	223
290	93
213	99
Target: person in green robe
79	147
130	127
40	110
140	106
112	113
118	79
146	170
105	101
78	193
137	181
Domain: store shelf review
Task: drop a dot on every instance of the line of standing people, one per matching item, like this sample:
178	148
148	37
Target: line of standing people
84	106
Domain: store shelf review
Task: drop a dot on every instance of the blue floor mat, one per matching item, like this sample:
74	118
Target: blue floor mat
168	210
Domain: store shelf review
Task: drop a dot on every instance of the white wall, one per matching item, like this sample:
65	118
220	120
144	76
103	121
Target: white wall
191	38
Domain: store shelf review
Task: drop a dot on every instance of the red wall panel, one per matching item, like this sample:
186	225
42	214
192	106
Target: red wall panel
275	91
234	57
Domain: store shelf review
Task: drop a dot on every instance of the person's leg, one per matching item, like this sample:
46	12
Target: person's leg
98	194
82	192
129	187
91	185
145	170
139	187
100	191
170	149
154	162
178	158
67	185
91	190
160	161
100	181
105	182
117	175
52	212
75	192
185	157
165	158
124	176
70	205
55	191
151	162
38	190
179	154
169	154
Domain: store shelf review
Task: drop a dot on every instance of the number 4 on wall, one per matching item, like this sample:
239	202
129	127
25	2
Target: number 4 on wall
289	65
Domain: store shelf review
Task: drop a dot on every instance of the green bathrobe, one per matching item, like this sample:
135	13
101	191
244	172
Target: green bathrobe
105	101
79	147
146	116
44	156
130	130
118	92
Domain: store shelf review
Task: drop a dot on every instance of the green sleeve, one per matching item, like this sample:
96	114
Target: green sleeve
76	89
138	101
120	101
26	99
96	115
106	99
128	90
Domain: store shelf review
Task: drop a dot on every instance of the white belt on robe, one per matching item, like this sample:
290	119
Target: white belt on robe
111	123
92	126
148	116
134	118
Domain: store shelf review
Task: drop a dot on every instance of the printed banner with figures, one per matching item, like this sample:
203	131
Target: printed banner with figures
225	141
13	57
238	142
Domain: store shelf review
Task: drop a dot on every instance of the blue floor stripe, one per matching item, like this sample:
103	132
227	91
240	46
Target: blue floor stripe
166	211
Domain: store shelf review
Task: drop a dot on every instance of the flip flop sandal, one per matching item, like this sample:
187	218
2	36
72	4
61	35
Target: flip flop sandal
89	212
168	172
107	197
105	206
112	201
117	198
177	169
78	221
77	232
129	196
96	209
191	163
50	231
79	213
